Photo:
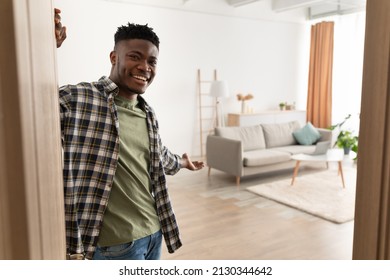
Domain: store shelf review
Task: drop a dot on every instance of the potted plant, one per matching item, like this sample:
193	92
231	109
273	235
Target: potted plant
345	138
282	105
347	141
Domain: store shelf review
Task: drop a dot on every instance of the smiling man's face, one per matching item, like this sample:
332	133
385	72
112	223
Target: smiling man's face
134	64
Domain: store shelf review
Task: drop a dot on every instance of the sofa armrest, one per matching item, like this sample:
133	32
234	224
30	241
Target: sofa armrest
326	134
224	154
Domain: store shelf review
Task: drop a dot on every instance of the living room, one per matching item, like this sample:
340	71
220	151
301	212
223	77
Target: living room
253	48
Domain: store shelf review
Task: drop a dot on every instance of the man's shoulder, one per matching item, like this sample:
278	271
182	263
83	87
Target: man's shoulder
84	85
103	86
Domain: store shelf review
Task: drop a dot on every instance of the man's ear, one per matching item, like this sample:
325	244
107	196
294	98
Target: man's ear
113	57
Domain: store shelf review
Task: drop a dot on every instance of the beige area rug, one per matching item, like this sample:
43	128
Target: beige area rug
320	194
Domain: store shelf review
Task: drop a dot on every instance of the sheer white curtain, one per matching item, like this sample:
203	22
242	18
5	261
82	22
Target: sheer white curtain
348	68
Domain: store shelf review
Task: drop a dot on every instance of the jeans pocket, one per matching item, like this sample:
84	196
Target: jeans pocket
116	251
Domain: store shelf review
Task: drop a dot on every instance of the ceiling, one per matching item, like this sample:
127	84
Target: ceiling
319	8
277	9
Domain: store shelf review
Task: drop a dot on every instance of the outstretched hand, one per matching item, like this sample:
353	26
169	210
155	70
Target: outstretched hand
191	165
59	31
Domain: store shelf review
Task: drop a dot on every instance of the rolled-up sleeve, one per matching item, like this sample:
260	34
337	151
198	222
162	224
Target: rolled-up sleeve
171	161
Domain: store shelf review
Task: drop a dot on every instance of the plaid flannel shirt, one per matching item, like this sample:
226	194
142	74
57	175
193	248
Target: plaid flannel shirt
90	136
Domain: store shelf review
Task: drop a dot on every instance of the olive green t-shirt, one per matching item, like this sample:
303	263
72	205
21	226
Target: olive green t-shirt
131	211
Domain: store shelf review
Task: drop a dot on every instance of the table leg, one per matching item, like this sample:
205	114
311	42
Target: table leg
341	173
295	172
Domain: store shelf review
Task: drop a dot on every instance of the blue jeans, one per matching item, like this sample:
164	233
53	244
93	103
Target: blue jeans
147	248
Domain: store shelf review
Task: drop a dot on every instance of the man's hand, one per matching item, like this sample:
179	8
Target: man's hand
60	31
191	165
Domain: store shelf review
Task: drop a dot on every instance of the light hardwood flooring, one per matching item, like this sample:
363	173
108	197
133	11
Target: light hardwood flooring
220	221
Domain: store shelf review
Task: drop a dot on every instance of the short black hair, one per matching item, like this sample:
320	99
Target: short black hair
136	31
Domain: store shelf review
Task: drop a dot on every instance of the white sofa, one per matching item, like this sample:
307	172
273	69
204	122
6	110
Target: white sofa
243	151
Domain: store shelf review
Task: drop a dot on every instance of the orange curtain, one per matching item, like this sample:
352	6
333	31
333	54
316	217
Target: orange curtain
319	96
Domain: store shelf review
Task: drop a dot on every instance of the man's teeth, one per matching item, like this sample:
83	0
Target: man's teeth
141	78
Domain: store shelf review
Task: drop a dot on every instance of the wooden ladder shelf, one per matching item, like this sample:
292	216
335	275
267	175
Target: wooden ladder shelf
207	109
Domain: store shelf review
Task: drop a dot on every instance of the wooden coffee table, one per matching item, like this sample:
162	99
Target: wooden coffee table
333	155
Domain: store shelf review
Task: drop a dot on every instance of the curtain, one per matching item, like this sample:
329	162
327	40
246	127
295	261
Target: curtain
319	97
348	55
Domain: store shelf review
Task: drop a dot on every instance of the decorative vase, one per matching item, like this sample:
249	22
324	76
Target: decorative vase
243	107
346	150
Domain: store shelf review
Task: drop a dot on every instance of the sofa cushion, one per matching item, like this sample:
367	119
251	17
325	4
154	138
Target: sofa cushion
280	134
264	157
252	137
307	135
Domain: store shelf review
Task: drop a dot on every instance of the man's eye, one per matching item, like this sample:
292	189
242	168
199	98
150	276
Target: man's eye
153	63
133	56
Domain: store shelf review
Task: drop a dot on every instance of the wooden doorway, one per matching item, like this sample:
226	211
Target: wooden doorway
372	214
31	192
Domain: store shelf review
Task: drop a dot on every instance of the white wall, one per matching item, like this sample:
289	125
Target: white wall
266	58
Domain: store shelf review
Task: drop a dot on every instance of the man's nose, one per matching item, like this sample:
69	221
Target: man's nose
144	65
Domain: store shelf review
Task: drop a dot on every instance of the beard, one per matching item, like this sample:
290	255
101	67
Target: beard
134	91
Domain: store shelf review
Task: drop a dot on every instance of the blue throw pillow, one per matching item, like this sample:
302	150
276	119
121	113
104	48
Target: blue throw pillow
307	135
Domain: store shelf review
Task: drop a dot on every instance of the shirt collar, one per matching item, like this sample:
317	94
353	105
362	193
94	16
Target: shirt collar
126	103
110	88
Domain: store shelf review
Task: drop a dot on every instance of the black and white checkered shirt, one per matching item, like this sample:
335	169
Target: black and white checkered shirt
90	135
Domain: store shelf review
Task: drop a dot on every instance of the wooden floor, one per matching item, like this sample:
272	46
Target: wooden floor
220	221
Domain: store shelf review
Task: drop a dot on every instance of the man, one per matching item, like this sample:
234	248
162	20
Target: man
116	200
